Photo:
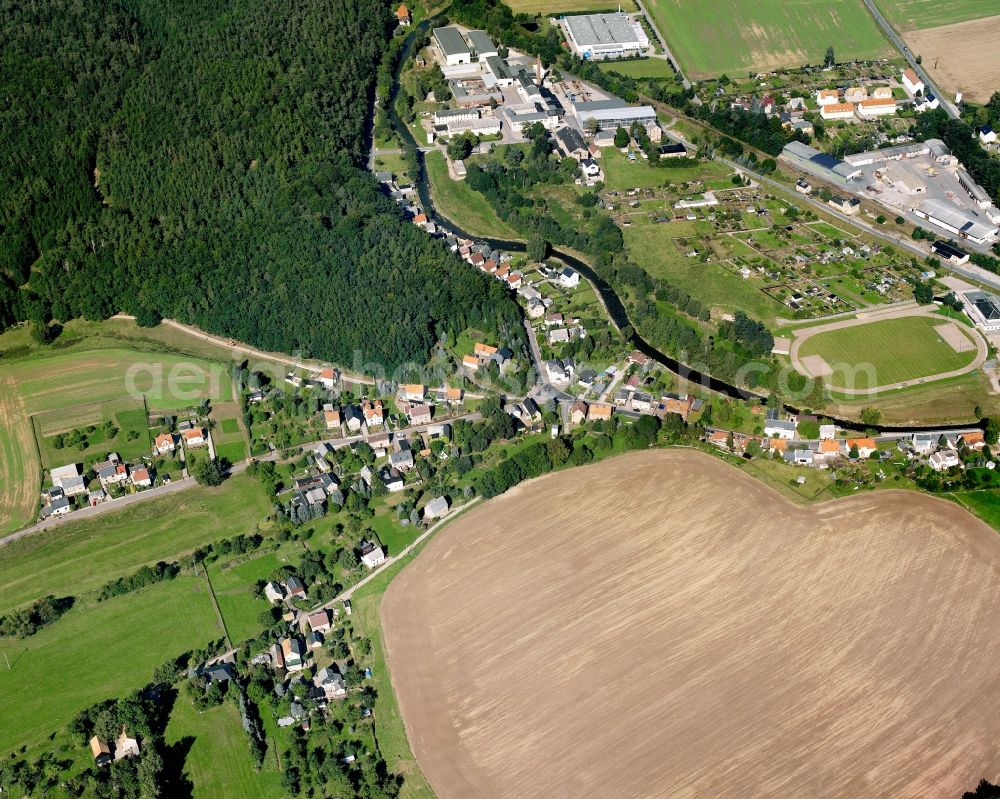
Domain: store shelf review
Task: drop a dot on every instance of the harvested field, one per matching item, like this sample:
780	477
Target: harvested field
617	631
961	57
19	468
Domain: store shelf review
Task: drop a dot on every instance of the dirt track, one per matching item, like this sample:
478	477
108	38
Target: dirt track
662	626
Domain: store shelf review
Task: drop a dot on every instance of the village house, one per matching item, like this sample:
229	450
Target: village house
578	413
331	416
470	362
195	437
825	97
672	403
412	392
419	413
553	319
353	418
100	750
296	590
141	477
402	458
95	498
912	83
436	508
372	412
779	428
865	446
331	683
569	278
827	431
274	592
380	443
828	449
319	621
973	440
327	378
125	746
924	443
403	16
393	479
293	653
112	471
69	479
372	555
164	443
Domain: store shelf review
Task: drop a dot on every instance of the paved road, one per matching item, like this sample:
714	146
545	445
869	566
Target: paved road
897	40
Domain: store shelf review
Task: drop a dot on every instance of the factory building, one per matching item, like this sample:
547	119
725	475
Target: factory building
600	36
612	113
955	220
453	46
822	165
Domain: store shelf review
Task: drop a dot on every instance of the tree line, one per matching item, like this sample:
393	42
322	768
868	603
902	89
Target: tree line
203	161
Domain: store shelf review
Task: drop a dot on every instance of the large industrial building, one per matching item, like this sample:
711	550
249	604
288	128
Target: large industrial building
822	165
967	224
612	113
983	309
599	36
453	46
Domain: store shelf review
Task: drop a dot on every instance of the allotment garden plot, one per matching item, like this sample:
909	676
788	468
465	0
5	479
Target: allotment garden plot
743	249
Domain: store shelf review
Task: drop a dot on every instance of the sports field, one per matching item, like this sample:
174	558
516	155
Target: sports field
652	644
98	652
81	556
884	352
761	35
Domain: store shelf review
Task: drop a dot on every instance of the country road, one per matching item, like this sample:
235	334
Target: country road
897	40
347	593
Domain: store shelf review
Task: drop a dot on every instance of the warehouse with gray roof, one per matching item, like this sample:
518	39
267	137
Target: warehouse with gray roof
822	165
600	36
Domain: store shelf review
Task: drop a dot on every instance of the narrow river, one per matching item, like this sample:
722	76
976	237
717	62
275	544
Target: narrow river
616	309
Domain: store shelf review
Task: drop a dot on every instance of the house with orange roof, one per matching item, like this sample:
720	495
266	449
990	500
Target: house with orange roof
838	111
778	444
420	219
484	351
413	392
327	377
973	440
372	412
827	97
599	413
470	362
718	437
331	415
194	437
866	446
164	443
403	15
453	395
877	107
578	412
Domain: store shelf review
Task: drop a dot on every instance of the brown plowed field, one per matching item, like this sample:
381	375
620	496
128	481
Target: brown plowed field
961	57
660	625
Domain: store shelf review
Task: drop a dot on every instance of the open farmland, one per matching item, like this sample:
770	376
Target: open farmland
961	57
762	35
712	654
91	653
910	15
81	556
885	351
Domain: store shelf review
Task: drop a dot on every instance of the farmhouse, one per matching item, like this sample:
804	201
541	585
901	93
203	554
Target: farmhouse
599	413
296	590
846	205
825	97
779	428
943	460
403	16
912	83
327	377
599	36
125	746
100	751
413	392
436	508
293	653
274	592
372	555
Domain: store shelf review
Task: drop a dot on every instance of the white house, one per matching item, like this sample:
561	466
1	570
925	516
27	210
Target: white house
779	428
372	556
274	592
569	278
943	460
825	97
987	135
436	508
877	107
912	82
837	111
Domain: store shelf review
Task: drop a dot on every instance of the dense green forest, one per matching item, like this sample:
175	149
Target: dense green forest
202	160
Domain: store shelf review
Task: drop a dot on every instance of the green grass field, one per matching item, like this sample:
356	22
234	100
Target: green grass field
896	349
762	35
233	586
909	15
98	652
81	556
653	248
127	414
643	68
465	206
622	175
566	6
218	761
984	504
